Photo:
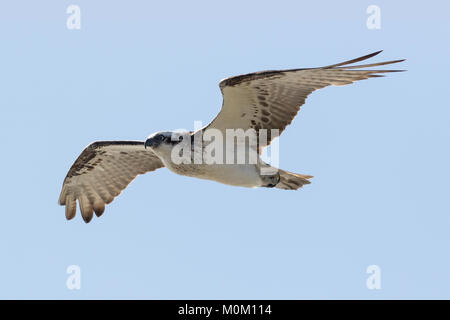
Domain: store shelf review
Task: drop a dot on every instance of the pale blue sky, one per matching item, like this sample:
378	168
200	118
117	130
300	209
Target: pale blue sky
379	151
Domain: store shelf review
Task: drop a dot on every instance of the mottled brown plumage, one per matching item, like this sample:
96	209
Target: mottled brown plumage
101	172
271	99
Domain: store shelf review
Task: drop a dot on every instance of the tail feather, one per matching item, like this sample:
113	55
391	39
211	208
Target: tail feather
292	181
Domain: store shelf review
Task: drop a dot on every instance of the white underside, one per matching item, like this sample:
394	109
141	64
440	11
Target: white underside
243	175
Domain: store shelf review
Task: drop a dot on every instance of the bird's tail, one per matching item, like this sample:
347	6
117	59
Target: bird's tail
292	181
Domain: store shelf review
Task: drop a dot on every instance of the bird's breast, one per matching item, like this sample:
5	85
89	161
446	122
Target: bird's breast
244	175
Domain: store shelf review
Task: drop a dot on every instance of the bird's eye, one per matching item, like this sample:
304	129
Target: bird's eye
180	138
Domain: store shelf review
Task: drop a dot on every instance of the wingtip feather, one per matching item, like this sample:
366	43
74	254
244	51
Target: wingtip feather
367	56
71	208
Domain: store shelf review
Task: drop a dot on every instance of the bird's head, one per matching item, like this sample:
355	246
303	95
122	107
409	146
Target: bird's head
163	142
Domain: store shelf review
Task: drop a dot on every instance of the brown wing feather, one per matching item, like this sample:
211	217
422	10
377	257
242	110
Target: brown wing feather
101	172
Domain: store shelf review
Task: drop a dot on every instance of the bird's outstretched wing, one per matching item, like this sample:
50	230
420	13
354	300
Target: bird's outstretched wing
101	172
271	99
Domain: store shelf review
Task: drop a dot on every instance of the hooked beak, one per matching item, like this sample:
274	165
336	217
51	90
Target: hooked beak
149	143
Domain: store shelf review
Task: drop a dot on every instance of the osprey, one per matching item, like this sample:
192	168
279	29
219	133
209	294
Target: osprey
259	101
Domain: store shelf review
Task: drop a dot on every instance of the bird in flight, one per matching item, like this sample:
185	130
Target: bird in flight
261	101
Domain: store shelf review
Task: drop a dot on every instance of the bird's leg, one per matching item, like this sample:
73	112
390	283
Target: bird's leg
270	181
